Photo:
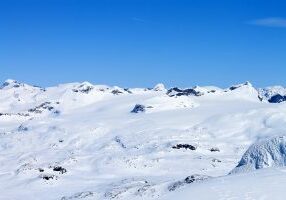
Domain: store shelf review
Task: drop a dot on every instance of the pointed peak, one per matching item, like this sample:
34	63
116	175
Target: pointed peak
86	83
248	84
234	87
159	87
11	83
84	87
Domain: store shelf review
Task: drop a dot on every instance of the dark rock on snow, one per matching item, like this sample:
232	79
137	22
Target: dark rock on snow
22	128
277	99
184	146
183	92
214	149
119	141
48	177
59	169
116	92
44	106
83	88
190	179
138	108
41	170
234	87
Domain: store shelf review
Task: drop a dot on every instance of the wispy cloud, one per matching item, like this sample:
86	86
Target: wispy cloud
136	19
270	22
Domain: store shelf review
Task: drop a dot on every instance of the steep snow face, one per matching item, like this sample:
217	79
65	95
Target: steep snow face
263	154
244	91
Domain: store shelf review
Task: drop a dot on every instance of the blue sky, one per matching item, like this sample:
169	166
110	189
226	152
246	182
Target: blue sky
142	42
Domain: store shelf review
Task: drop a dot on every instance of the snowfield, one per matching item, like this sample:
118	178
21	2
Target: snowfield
258	185
84	141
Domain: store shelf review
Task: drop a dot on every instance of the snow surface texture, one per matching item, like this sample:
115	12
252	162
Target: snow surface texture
85	141
263	154
258	185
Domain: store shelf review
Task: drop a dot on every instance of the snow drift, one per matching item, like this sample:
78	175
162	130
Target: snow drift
263	154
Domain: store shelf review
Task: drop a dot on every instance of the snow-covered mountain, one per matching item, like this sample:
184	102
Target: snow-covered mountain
85	141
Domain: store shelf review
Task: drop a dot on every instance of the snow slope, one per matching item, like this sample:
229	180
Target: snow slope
258	185
81	141
263	154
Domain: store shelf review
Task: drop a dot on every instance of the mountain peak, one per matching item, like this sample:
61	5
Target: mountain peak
159	87
247	83
10	82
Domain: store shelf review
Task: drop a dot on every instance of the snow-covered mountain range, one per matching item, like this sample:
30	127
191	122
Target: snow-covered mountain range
85	141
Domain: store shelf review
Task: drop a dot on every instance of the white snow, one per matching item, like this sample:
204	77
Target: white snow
258	185
263	154
110	153
159	87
